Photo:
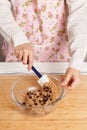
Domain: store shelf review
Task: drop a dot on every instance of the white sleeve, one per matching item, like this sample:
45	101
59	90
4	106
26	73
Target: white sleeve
9	29
77	31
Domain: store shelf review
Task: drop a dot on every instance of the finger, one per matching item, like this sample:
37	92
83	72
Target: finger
25	57
68	87
16	52
67	79
20	57
30	61
75	83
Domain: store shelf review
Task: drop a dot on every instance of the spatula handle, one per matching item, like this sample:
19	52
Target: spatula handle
36	72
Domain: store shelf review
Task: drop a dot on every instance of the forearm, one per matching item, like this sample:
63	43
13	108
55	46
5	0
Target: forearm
77	32
9	29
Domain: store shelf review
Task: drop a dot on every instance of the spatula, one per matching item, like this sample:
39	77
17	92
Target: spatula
42	78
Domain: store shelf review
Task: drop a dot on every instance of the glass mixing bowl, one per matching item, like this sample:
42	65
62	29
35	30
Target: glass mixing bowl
31	97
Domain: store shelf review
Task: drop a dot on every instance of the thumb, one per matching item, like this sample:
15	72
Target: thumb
75	83
67	79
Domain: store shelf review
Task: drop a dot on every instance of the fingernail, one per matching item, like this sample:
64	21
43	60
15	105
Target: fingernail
64	83
28	69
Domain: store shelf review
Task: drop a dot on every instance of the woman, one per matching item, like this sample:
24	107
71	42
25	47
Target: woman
42	24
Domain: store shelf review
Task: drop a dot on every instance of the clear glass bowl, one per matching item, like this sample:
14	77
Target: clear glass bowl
31	97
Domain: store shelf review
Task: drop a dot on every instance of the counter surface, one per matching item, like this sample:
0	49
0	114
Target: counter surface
71	113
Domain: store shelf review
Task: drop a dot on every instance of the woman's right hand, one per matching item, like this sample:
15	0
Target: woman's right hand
24	53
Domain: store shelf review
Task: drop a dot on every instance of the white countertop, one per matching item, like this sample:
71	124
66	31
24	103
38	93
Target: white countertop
44	67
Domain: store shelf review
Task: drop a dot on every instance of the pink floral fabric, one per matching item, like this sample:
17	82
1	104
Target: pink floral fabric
44	23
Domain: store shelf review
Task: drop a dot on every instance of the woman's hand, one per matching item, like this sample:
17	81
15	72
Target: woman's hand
72	78
24	53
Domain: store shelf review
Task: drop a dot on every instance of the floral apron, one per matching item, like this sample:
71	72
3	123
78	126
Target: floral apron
44	23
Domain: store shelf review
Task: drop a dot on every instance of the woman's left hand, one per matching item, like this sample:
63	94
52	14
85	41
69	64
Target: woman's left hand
72	78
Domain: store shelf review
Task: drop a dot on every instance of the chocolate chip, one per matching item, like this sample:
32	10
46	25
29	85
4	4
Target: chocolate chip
38	96
27	93
30	96
40	93
24	103
33	100
38	90
50	91
46	89
45	98
35	103
30	105
50	99
42	103
34	94
48	95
